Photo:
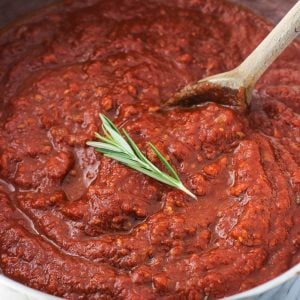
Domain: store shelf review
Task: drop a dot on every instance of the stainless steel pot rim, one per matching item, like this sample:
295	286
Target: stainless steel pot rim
267	286
277	281
23	289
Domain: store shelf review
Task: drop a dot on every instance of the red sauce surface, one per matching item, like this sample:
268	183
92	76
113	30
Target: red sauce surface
82	226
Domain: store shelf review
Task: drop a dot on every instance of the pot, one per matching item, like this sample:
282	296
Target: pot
286	286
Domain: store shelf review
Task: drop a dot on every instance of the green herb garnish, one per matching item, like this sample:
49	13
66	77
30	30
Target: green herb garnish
125	150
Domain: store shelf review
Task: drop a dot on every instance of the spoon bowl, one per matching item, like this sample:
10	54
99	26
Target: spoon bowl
224	88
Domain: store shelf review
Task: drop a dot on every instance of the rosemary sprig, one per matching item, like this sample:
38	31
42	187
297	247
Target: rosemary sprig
123	149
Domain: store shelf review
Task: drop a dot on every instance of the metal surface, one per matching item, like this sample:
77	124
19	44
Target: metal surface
273	10
10	10
285	286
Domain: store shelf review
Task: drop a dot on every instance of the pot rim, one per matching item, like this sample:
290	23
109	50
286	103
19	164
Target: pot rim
258	290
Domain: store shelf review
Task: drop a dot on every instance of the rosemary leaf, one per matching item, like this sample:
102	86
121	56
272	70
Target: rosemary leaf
164	161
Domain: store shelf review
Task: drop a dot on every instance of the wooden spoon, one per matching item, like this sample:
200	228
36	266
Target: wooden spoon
235	87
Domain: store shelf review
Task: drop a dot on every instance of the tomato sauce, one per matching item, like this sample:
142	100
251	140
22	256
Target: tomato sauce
81	226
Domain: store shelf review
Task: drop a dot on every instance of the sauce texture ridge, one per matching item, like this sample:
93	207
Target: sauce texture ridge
81	226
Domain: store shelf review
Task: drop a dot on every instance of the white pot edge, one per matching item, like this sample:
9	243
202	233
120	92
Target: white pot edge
33	294
260	289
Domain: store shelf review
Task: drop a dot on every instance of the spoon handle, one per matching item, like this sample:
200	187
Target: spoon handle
270	48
